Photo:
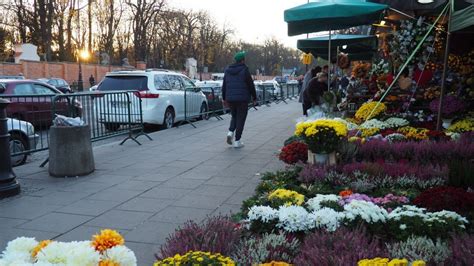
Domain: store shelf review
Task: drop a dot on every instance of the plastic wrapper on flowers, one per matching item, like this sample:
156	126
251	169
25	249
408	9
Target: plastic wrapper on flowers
106	248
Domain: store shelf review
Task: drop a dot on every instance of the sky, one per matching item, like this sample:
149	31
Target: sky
253	20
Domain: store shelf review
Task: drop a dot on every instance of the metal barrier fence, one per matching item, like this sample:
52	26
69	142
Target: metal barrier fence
109	114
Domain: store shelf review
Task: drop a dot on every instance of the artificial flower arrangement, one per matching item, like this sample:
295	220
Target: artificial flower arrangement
370	110
322	136
452	105
106	248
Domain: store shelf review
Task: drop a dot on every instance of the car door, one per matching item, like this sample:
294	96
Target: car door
177	96
193	97
45	105
23	105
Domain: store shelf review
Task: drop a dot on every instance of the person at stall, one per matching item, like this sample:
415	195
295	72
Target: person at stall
307	78
405	81
316	88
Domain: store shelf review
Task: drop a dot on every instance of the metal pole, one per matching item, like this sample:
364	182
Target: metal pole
80	84
8	184
445	66
329	65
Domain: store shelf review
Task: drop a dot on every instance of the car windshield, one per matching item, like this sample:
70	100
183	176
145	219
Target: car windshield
122	83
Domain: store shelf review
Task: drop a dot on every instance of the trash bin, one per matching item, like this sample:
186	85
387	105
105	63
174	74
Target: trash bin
70	151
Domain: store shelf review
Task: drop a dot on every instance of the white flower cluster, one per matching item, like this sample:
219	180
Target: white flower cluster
429	217
395	122
314	204
373	123
328	219
82	253
295	219
395	137
262	213
367	211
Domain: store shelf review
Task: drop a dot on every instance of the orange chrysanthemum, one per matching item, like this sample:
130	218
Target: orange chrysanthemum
39	247
345	193
107	239
108	263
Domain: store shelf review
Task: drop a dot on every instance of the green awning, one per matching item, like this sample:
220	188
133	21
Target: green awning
462	18
331	15
353	43
361	56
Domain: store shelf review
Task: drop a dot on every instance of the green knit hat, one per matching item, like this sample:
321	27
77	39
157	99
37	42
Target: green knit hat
239	56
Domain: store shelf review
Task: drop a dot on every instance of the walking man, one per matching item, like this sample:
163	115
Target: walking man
92	80
237	90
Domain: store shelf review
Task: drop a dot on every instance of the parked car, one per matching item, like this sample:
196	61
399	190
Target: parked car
31	101
264	92
12	77
213	92
93	88
22	139
162	93
58	83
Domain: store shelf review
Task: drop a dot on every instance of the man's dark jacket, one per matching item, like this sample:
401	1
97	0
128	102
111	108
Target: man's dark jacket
238	84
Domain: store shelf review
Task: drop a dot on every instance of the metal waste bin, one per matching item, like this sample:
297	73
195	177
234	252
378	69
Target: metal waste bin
70	151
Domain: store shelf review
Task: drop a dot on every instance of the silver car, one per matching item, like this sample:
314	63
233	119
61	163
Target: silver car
22	139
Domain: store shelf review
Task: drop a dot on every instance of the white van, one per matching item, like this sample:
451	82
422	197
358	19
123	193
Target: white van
162	93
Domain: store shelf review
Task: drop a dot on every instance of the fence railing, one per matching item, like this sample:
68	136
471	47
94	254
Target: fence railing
112	113
109	114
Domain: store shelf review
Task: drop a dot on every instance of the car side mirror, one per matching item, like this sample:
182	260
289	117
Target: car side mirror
197	89
2	88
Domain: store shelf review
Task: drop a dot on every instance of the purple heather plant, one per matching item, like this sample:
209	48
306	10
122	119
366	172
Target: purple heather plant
216	234
342	247
462	248
312	173
451	106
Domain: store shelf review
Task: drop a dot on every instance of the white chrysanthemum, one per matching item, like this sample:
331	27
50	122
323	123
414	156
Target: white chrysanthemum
15	259
373	123
449	215
82	254
21	245
368	211
295	218
55	253
394	137
394	122
262	213
327	218
314	204
120	255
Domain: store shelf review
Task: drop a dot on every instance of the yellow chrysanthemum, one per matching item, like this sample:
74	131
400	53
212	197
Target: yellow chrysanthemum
370	110
39	247
107	239
414	133
292	197
462	126
195	258
309	129
368	132
275	263
388	262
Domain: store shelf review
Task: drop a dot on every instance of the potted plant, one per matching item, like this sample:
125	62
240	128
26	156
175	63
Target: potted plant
451	106
323	138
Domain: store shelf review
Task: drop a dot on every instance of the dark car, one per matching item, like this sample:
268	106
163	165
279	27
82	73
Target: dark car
213	92
32	101
58	83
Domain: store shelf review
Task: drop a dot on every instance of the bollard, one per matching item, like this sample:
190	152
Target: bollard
8	184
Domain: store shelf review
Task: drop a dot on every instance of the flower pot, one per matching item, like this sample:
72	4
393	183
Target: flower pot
322	158
447	122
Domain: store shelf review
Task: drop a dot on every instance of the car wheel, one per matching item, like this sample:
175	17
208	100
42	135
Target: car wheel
168	121
204	112
17	145
112	126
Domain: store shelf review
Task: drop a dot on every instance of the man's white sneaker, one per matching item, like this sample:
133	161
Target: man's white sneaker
238	144
230	137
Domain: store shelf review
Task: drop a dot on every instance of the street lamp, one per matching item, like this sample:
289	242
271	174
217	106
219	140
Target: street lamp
84	55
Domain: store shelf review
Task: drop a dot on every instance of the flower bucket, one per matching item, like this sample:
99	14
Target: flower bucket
447	122
322	158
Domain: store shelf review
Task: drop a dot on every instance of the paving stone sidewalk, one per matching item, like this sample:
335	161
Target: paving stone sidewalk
147	191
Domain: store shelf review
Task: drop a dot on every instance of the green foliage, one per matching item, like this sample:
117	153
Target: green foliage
268	247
